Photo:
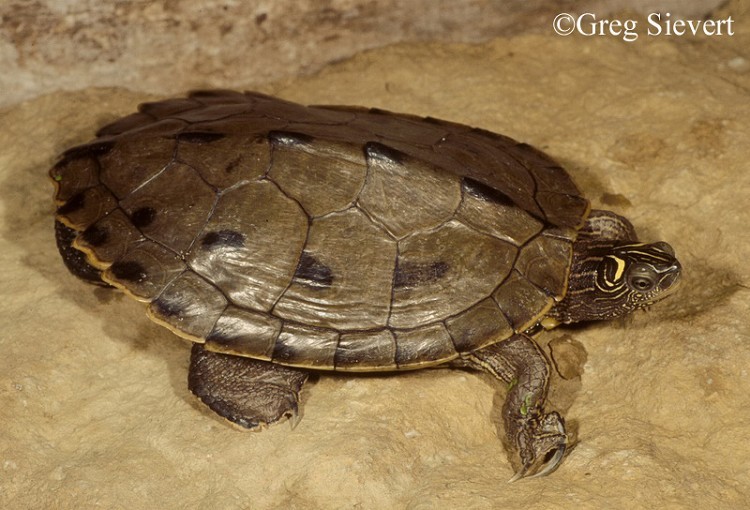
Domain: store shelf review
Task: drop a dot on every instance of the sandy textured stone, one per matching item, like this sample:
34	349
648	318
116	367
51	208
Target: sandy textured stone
168	47
93	396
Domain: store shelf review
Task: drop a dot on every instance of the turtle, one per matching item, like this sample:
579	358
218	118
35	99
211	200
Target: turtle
283	239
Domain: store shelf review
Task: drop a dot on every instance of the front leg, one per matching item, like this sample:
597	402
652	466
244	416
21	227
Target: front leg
539	438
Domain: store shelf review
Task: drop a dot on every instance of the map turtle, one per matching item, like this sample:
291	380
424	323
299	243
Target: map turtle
282	239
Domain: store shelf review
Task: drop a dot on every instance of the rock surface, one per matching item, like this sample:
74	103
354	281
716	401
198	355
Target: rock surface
93	396
169	47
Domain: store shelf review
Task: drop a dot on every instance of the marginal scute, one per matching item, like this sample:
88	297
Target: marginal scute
323	176
424	346
95	236
156	267
342	133
521	302
399	128
274	227
220	96
95	148
168	107
474	265
245	333
176	194
211	112
109	238
488	161
388	155
479	326
408	195
128	271
359	259
73	175
563	210
189	305
366	350
123	124
84	208
195	136
302	345
164	128
548	175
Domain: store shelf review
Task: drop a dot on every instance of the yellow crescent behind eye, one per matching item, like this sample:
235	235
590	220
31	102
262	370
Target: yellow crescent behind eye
620	266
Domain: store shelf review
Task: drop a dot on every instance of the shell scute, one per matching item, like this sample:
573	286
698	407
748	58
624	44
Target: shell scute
407	195
323	176
189	305
256	272
245	332
464	267
352	287
177	194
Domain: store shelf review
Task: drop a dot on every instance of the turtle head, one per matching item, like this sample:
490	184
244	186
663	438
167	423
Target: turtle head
642	273
609	282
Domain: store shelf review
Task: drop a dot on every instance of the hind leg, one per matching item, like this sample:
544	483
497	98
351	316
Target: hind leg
248	392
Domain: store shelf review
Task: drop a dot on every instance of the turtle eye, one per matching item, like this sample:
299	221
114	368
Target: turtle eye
641	284
641	278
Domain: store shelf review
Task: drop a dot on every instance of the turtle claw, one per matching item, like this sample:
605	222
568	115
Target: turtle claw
541	445
294	416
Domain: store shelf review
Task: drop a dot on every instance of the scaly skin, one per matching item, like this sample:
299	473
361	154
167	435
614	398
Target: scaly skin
536	439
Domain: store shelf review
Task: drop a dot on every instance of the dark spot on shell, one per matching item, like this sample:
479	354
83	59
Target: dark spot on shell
222	238
484	192
200	137
379	111
220	336
74	203
282	352
143	216
376	150
95	235
290	138
232	166
128	270
167	308
312	273
75	260
413	274
433	120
